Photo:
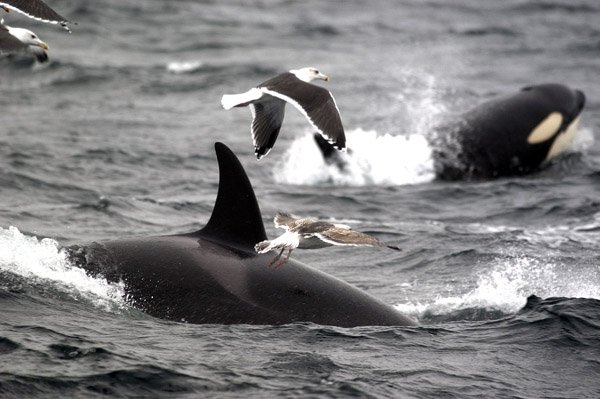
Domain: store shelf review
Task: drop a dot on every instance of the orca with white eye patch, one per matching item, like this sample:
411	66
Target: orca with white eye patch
509	136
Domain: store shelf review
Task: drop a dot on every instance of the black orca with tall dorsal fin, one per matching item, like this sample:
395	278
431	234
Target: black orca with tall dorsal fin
214	275
507	136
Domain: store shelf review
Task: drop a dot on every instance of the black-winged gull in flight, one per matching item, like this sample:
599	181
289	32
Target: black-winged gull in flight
267	104
8	42
14	40
35	9
308	233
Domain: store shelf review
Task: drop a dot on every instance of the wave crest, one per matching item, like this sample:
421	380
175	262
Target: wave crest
504	290
43	261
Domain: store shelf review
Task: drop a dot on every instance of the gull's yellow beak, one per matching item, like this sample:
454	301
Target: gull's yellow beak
43	45
324	77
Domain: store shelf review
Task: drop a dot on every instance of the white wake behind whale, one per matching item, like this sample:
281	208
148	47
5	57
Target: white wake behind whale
43	261
373	159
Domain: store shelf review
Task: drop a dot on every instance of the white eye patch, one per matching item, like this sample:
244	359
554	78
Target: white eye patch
546	128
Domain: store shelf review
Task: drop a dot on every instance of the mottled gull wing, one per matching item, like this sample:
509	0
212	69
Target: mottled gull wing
337	236
309	227
36	9
284	220
267	117
9	43
315	102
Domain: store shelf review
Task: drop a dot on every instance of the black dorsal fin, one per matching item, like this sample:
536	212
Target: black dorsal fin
236	219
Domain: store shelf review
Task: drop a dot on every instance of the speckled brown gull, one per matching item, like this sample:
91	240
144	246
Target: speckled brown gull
308	233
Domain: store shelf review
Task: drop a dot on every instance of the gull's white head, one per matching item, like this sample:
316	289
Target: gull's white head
309	74
27	37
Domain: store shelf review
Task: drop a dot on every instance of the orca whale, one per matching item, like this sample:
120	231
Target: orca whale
215	276
507	136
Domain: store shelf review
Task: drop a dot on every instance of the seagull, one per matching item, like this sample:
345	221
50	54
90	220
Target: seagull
18	39
267	104
309	233
8	42
35	9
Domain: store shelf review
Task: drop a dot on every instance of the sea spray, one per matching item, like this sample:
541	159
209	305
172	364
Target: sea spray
373	159
507	284
43	261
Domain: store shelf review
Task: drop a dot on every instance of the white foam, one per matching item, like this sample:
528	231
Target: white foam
394	157
43	260
583	140
179	67
374	159
507	285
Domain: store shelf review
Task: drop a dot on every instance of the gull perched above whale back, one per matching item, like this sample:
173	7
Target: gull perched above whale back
267	104
35	9
308	233
14	40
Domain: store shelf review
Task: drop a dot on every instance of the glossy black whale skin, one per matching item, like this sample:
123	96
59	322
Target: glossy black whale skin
214	275
497	137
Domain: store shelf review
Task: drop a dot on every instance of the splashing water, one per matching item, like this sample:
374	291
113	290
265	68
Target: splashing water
507	285
44	261
394	158
583	140
421	98
184	66
374	159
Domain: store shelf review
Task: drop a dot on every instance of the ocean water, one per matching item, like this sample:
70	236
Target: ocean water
114	138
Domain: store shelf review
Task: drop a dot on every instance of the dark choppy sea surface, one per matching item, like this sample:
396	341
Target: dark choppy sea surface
115	138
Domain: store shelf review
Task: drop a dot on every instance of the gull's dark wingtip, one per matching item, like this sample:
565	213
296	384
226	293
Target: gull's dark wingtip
261	152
